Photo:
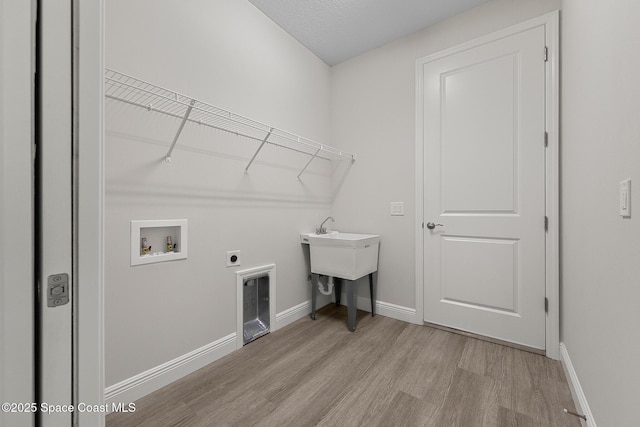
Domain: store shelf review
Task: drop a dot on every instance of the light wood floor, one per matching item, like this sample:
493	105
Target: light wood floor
386	373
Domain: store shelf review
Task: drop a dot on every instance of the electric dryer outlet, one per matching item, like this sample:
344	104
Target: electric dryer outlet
233	258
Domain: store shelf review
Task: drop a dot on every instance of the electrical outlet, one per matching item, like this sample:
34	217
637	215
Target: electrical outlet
233	258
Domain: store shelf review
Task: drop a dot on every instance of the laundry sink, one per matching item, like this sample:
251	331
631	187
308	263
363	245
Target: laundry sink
344	255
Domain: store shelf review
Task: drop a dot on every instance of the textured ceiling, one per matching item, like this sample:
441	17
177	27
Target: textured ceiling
336	30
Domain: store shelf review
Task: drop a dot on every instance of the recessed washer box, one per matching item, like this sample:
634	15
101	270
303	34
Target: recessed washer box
158	240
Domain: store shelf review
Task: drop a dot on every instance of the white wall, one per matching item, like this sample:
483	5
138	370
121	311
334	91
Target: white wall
368	103
601	147
228	53
373	114
16	209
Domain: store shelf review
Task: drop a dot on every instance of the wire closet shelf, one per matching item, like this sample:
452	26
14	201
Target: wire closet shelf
134	91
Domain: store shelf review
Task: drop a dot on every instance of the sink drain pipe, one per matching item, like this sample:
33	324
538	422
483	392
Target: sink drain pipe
329	288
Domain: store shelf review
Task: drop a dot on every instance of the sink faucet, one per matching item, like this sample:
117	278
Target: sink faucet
322	229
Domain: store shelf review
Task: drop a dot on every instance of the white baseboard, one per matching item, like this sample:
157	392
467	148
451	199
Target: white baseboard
153	379
387	309
577	393
394	311
292	314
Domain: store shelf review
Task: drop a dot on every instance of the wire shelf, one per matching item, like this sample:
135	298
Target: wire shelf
131	90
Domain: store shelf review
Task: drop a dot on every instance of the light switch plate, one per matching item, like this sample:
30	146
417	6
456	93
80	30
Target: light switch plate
625	198
397	208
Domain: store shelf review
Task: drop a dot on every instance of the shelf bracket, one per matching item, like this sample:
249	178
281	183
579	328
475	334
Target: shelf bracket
175	138
308	163
264	141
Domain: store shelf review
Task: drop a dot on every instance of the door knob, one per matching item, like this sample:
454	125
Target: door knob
431	225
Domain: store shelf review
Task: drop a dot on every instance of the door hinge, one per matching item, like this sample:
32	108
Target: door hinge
546	305
546	139
546	54
546	223
423	225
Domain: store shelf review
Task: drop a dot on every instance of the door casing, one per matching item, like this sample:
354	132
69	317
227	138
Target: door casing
17	290
54	209
17	305
550	23
88	48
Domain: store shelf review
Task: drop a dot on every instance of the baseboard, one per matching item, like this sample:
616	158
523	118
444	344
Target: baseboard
386	309
294	313
577	393
394	311
153	379
149	381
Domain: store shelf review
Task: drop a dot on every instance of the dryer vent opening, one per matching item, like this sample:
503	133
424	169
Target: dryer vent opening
255	308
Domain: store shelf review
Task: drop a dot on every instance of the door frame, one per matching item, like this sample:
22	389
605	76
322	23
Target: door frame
551	24
17	305
17	289
83	34
53	208
88	42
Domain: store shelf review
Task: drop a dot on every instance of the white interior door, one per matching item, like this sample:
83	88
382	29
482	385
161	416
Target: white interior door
484	182
54	212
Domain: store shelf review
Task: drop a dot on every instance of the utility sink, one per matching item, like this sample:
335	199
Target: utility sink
344	255
347	256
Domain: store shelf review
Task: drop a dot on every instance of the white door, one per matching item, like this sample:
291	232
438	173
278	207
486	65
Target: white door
484	182
54	213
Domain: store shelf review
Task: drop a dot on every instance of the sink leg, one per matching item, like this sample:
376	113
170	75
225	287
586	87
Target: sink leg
314	294
338	289
372	290
351	304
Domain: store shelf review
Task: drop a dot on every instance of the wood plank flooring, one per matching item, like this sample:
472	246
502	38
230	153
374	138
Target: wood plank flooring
386	373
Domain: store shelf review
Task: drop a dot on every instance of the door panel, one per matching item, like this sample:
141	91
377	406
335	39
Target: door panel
488	280
484	122
470	110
